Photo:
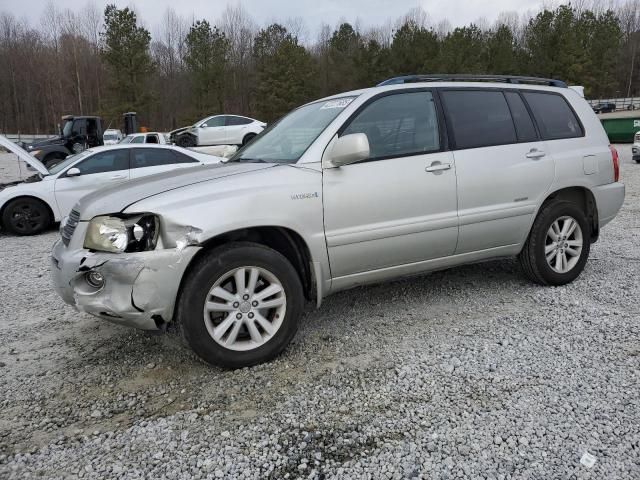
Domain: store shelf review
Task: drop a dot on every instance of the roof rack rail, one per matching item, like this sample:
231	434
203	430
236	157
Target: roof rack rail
447	77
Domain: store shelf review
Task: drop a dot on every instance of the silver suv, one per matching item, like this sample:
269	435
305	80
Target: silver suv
416	174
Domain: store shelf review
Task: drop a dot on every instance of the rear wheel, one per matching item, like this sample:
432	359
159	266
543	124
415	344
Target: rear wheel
558	245
26	216
247	138
240	305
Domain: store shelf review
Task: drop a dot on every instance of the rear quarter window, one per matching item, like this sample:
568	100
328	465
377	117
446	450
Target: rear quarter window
554	116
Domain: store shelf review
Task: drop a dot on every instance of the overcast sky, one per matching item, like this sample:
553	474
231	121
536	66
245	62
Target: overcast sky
314	12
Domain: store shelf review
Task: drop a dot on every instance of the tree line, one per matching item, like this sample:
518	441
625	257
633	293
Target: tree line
95	62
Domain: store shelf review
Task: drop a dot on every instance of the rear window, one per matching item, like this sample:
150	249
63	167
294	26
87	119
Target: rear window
553	115
479	118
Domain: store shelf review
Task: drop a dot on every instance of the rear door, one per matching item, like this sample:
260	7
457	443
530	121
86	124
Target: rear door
236	128
399	206
96	171
147	161
503	166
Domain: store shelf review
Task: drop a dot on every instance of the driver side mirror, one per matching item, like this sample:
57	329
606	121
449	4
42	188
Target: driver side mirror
349	149
73	172
204	125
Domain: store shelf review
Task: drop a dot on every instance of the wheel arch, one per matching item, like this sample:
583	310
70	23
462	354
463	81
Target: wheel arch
33	197
581	196
281	239
248	137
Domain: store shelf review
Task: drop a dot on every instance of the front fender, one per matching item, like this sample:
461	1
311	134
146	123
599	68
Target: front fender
47	149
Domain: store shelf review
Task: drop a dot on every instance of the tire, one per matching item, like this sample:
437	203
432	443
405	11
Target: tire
247	138
26	216
533	257
218	269
186	141
52	159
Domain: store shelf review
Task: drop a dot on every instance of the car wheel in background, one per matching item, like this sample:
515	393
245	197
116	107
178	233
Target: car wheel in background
240	305
247	138
52	159
558	245
26	216
186	141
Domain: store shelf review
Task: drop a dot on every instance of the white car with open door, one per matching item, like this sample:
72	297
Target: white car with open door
31	205
220	130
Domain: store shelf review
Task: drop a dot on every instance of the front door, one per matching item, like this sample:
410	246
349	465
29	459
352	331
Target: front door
96	171
399	206
503	166
212	131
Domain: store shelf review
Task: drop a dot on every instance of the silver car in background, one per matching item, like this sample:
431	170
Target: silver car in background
412	176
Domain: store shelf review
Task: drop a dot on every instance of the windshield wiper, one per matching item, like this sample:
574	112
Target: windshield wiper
248	160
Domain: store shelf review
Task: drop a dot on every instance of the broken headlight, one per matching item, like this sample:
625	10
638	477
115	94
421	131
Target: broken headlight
136	233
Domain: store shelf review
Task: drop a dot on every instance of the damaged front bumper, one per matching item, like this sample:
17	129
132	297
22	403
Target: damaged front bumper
138	290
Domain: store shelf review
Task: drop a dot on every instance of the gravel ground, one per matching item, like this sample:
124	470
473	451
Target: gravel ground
468	373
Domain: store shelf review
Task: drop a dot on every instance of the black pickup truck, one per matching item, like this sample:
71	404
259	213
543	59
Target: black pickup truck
77	133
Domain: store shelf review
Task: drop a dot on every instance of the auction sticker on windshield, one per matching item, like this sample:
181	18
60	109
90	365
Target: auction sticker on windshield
338	103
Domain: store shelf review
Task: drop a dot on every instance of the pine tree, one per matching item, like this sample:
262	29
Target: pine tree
126	53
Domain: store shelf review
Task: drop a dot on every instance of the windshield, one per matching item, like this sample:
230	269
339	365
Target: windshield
67	161
127	139
289	138
109	137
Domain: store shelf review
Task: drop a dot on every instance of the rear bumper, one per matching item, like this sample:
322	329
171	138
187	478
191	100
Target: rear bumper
609	199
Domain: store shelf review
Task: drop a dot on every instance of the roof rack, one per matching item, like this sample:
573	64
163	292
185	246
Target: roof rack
446	77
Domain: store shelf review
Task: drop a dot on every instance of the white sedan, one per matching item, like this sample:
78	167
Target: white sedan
31	205
220	130
147	137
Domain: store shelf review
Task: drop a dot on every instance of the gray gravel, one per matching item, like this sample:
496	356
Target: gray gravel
468	373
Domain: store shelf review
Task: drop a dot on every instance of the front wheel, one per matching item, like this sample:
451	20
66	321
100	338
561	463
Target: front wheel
26	216
240	305
558	246
186	141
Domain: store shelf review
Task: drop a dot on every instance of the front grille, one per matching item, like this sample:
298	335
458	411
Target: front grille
70	226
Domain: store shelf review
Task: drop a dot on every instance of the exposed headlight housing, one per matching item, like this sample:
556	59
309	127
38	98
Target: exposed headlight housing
35	153
137	233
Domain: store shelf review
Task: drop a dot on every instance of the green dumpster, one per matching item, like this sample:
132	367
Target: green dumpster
621	129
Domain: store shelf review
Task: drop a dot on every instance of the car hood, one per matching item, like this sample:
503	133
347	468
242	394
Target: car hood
23	155
117	198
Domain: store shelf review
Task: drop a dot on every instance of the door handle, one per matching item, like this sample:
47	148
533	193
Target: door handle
535	154
118	177
437	167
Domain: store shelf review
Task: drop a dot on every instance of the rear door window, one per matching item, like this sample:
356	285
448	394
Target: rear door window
235	121
554	116
525	129
153	157
478	118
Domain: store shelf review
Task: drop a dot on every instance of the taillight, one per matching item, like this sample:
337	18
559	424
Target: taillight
616	163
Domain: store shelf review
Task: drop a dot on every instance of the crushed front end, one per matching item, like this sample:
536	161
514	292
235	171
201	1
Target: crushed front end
133	288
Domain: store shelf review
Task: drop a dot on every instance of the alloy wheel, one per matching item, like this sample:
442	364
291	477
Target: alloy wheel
245	308
563	244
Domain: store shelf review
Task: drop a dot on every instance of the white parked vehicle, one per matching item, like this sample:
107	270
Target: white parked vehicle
147	137
112	136
219	130
31	205
635	149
